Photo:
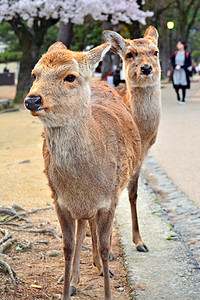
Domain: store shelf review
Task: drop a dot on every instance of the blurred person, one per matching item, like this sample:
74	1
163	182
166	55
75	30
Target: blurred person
182	68
5	70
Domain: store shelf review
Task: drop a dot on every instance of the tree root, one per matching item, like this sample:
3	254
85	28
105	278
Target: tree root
42	230
7	269
6	245
12	213
9	218
6	234
8	211
33	211
6	241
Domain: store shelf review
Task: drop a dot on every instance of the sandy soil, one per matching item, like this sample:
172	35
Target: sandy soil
23	182
7	92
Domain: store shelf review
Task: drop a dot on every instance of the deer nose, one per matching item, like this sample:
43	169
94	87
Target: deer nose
146	69
33	102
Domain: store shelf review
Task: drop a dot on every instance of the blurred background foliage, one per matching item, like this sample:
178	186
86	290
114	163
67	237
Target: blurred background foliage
90	33
184	13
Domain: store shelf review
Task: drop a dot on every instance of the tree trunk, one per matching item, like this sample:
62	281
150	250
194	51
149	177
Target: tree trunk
134	29
107	63
25	81
30	40
65	33
31	54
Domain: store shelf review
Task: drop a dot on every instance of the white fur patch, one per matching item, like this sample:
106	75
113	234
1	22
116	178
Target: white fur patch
105	51
41	112
74	60
102	55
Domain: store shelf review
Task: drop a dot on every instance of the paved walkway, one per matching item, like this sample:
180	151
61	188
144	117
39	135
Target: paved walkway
168	271
177	148
173	167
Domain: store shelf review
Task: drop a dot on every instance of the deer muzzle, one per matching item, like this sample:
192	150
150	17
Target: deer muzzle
33	103
146	69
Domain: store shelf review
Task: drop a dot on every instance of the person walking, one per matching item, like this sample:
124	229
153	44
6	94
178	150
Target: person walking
181	63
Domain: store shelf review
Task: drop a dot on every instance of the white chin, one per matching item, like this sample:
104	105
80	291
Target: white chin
147	76
144	81
39	113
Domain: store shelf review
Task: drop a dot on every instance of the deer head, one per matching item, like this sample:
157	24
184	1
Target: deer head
60	90
140	56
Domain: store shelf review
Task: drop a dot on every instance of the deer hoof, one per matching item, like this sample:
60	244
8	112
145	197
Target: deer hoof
112	274
72	290
142	248
88	233
111	257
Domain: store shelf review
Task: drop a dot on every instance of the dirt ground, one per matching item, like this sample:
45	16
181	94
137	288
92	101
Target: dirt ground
7	92
23	182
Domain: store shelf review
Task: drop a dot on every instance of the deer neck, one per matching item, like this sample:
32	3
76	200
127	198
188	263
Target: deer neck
67	144
145	107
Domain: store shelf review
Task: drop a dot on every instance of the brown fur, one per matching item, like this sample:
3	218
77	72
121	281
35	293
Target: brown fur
90	150
142	97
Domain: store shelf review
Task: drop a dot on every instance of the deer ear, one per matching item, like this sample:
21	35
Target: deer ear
152	34
118	44
57	46
96	55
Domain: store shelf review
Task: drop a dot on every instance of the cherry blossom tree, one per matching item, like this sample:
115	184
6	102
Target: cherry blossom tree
30	20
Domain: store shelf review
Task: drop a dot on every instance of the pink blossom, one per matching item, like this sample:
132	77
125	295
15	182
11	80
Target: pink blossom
75	10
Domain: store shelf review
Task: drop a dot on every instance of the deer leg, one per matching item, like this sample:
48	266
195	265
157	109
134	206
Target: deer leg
104	229
80	234
111	256
132	189
67	224
95	252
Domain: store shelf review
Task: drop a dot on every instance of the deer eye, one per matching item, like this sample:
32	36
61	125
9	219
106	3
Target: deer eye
129	55
156	53
70	78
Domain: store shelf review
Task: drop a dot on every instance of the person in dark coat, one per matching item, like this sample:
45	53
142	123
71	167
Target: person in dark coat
181	63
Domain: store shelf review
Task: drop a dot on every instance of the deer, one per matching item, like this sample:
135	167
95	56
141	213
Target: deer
91	149
142	96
